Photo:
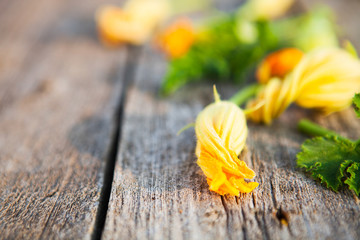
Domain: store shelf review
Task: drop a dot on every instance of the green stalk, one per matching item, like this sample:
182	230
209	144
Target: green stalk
245	94
314	129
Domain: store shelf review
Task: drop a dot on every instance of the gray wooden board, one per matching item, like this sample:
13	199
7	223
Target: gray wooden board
59	88
58	93
160	193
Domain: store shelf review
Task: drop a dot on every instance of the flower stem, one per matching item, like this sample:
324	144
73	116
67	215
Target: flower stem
244	94
314	129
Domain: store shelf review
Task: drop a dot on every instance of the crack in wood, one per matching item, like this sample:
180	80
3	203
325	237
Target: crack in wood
128	76
254	199
48	217
227	216
264	231
272	191
244	225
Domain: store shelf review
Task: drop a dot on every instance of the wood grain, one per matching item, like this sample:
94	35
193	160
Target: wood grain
59	89
160	193
59	92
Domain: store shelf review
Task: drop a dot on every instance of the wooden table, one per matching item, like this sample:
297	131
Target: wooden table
73	114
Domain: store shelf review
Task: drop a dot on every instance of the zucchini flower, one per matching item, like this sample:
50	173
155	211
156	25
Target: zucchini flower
275	100
132	24
325	79
221	133
328	80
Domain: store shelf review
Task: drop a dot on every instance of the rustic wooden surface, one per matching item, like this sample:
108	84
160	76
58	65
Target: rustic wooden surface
59	89
67	113
160	193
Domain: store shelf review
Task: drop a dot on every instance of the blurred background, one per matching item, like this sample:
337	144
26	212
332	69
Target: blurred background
66	66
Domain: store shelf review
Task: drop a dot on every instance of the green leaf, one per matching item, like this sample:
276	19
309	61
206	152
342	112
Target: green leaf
354	180
328	159
356	101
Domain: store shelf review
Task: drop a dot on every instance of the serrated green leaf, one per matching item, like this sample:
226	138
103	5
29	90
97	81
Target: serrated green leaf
327	158
354	180
356	102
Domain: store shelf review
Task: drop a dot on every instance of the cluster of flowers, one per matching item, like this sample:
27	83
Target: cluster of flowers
138	20
325	79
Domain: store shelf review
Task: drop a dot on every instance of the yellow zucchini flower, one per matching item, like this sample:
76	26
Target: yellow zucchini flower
221	133
325	79
132	24
177	39
328	80
278	64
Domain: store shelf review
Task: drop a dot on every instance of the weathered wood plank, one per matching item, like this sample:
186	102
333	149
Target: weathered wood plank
160	193
59	89
156	178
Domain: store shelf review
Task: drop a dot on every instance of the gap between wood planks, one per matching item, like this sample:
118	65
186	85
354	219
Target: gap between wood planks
132	56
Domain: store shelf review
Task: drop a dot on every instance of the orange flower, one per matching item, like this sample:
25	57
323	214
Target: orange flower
278	64
221	133
176	40
132	24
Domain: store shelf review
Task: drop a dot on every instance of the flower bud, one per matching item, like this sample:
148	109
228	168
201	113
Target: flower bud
221	133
